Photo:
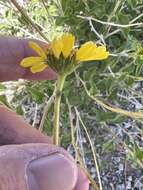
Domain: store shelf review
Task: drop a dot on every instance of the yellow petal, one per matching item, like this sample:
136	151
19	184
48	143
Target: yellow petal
30	61
57	47
38	68
100	53
85	51
37	49
89	51
68	44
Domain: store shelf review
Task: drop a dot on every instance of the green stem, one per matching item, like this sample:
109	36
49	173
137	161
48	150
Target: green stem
59	87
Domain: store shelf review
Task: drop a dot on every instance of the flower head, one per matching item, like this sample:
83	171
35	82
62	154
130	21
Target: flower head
63	48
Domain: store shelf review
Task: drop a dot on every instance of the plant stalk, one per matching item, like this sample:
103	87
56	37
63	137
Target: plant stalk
59	87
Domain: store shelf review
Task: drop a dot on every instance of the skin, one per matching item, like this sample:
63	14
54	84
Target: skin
28	160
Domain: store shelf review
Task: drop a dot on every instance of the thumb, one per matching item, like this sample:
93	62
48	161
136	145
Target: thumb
36	166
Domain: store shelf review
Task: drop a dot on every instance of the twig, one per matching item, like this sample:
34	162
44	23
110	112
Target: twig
93	183
35	115
93	29
46	109
92	148
47	11
113	13
59	6
110	23
112	33
114	10
79	139
111	72
22	11
125	173
44	4
138	181
135	115
86	4
136	18
4	4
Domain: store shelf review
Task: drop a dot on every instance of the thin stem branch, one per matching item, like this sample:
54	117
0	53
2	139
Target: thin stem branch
113	13
45	112
110	23
47	11
98	35
59	87
44	4
114	10
22	11
59	6
35	115
82	165
92	149
135	115
139	16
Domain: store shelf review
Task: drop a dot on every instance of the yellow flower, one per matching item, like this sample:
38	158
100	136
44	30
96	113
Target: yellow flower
89	52
36	64
63	45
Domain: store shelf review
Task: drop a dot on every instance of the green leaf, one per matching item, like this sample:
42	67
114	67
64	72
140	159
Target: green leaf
132	3
48	127
3	100
108	146
36	94
19	110
2	87
124	19
98	8
129	81
119	119
138	152
102	116
65	140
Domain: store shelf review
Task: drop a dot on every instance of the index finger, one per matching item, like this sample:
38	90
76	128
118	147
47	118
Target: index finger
12	51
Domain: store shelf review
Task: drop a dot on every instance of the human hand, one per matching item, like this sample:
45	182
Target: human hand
12	51
29	161
35	166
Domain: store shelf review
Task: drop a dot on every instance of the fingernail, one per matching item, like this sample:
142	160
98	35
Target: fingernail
54	172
